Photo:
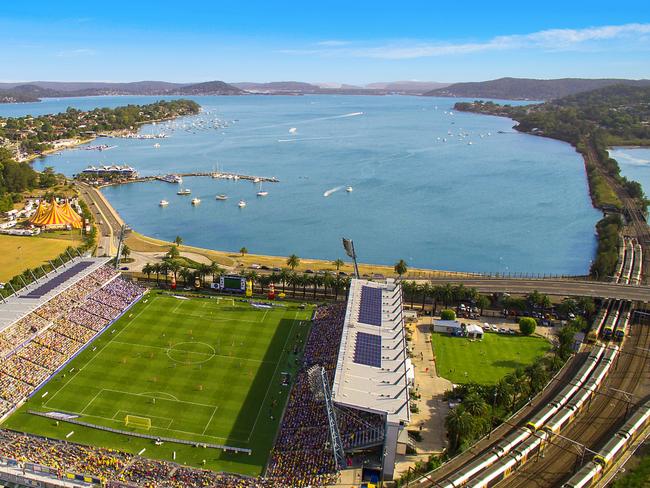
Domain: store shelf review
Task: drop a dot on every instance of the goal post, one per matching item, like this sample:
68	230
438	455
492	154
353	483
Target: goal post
138	422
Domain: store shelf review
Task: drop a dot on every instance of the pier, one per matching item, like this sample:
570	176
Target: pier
167	178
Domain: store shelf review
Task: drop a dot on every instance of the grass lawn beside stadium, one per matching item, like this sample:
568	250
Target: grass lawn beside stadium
202	369
487	361
18	253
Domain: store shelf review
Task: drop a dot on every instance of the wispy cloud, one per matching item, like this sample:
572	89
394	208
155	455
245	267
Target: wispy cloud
333	43
73	53
635	35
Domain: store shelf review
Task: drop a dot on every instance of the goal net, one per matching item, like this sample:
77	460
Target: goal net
138	422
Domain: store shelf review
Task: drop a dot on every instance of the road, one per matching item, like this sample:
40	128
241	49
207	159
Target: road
108	222
566	287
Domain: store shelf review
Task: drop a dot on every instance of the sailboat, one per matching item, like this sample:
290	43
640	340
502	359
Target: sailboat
262	193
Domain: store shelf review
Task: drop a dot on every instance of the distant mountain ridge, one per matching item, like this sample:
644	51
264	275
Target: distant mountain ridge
527	88
407	87
34	91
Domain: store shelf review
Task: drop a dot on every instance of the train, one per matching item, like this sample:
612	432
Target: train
591	472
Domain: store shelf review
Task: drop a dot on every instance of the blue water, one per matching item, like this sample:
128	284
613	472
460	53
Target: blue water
509	202
634	164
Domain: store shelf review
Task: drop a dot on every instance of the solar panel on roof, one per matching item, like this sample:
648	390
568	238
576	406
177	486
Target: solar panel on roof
367	349
370	306
57	280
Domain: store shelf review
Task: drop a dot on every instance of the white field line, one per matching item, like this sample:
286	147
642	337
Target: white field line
211	417
259	361
272	378
92	358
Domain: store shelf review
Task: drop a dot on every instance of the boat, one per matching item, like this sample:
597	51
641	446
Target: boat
262	193
156	145
293	130
163	203
349	189
196	201
186	191
221	197
241	204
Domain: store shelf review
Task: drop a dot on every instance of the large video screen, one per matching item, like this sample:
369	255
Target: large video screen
233	283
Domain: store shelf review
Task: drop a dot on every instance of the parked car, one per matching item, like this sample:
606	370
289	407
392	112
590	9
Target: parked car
255	266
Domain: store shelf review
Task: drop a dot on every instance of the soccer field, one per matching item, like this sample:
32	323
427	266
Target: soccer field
199	369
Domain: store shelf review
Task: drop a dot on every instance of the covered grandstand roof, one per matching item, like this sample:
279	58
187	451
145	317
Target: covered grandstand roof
36	294
371	370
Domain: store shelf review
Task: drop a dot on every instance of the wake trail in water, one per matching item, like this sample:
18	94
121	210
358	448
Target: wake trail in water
305	121
632	159
332	190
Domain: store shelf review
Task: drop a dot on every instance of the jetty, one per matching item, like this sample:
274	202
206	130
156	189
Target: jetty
173	178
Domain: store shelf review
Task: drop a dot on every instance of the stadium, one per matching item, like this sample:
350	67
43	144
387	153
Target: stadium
103	382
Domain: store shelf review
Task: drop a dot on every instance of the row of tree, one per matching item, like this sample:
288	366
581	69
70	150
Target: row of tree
16	178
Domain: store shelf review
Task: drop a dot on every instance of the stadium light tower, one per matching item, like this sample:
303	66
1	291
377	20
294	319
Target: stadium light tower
321	390
348	245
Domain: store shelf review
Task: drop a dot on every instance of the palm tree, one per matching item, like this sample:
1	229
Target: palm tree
401	267
178	241
446	294
156	269
293	262
203	270
126	251
537	377
425	291
243	251
264	281
174	267
475	404
316	281
337	285
338	263
148	269
460	425
254	277
482	302
293	281
408	288
173	252
164	269
284	277
186	274
328	279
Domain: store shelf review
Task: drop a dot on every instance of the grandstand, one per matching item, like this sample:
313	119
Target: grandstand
52	320
373	370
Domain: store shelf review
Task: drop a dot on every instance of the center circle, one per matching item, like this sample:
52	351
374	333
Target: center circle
191	352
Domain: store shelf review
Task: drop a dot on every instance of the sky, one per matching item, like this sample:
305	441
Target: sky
353	41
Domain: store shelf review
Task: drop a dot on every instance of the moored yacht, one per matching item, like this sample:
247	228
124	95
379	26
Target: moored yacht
196	201
349	189
241	204
163	203
186	191
221	197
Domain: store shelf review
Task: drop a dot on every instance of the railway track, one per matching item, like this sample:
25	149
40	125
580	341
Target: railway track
596	424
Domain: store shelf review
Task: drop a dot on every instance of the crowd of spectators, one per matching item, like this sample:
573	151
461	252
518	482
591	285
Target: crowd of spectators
37	345
302	455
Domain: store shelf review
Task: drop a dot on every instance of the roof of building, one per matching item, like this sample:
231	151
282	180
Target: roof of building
36	294
448	323
371	370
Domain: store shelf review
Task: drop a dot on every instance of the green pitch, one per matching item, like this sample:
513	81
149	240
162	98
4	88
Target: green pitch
487	361
201	369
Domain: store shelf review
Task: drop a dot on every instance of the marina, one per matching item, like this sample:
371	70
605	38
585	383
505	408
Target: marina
450	197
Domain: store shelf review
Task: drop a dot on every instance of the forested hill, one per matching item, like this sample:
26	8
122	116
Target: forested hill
618	115
528	89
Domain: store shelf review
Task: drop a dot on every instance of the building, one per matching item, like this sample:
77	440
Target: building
452	327
372	370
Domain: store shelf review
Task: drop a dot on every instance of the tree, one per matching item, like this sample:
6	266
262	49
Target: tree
401	267
126	251
243	251
174	267
448	315
338	263
460	425
156	269
482	302
527	325
178	241
148	269
409	288
425	291
293	262
173	252
216	270
317	281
